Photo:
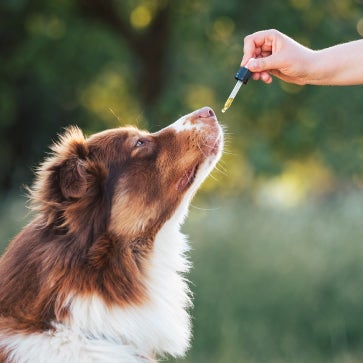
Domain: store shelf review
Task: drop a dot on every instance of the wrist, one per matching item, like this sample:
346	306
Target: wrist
316	68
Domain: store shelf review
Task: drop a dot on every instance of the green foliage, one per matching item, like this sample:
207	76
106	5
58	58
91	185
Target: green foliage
102	64
13	217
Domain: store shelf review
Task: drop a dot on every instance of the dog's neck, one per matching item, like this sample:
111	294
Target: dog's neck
161	325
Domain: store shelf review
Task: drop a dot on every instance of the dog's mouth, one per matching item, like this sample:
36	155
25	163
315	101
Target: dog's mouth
187	179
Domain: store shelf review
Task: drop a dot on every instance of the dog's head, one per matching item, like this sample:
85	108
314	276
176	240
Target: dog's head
126	181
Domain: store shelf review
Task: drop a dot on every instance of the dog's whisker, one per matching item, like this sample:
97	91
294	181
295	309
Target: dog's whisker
204	209
221	167
223	172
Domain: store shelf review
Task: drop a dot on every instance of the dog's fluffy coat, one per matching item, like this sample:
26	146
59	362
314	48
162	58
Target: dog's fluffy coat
98	275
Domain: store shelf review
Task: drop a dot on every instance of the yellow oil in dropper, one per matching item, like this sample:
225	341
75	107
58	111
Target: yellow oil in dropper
227	105
242	77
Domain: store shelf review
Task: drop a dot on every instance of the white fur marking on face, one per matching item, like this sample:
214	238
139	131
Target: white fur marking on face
184	124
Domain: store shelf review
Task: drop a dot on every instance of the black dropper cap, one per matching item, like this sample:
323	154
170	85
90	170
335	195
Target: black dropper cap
243	75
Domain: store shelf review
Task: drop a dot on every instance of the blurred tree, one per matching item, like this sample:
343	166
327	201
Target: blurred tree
104	63
148	47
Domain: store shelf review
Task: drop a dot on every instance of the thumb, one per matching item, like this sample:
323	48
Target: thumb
263	64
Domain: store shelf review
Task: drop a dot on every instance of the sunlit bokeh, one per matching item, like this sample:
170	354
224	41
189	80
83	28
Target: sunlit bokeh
140	17
276	230
300	181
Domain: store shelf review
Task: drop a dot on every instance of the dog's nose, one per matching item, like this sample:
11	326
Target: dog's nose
204	112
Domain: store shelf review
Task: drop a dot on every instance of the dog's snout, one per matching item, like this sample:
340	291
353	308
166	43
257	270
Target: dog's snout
204	112
204	118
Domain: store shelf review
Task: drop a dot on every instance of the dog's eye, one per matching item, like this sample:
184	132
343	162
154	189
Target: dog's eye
142	147
139	143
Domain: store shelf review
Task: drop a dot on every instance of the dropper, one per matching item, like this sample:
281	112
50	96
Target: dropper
242	77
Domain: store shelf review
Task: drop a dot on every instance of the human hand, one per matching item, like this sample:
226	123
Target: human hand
274	53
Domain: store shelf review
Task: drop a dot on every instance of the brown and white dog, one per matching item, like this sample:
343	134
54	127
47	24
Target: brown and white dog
98	275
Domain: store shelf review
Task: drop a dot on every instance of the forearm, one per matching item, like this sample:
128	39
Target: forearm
338	65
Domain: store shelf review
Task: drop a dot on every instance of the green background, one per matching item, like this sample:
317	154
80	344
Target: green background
277	232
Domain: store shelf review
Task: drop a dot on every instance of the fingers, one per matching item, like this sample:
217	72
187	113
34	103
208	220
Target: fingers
259	44
266	77
263	47
262	64
262	76
261	54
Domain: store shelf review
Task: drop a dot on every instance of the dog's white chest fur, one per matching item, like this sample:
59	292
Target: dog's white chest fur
96	333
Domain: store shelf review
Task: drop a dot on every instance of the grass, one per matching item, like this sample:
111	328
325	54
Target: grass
276	286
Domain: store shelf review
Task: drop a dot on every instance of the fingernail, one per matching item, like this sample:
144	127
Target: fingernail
252	63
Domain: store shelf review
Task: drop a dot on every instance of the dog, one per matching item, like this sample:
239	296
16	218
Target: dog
99	274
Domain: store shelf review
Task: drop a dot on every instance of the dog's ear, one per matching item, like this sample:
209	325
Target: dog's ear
72	178
66	175
71	152
63	175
